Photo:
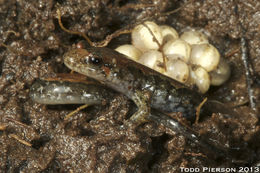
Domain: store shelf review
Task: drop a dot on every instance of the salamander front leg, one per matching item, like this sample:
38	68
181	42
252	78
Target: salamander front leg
142	101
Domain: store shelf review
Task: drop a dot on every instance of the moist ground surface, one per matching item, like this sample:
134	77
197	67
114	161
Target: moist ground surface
35	138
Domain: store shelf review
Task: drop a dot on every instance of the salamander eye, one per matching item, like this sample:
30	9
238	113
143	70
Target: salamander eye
92	59
95	60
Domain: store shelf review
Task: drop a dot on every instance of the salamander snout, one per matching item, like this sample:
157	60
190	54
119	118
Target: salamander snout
74	57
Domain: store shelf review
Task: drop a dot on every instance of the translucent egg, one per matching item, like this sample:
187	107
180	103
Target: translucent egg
143	39
177	47
130	51
149	58
201	78
177	70
194	37
168	33
221	74
205	55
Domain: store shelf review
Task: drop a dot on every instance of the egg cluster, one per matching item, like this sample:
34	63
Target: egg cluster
189	58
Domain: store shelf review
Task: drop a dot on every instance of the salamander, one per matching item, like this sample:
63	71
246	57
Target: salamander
67	92
146	87
56	92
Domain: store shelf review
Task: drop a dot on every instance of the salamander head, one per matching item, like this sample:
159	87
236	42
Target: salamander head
102	64
85	62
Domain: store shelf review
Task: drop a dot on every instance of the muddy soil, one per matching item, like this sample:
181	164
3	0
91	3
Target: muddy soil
35	138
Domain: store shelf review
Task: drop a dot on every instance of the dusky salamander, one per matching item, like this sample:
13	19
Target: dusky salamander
67	92
146	87
55	92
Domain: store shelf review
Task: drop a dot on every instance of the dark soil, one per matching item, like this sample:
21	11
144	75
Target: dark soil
35	138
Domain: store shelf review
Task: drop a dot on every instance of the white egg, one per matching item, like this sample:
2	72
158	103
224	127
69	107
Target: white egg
194	37
149	58
177	47
201	78
144	40
130	51
221	74
205	55
177	70
168	33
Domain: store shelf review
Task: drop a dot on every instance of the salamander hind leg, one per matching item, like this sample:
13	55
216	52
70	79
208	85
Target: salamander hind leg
142	101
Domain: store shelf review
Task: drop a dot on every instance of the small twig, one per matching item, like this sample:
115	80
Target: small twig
75	111
93	44
72	32
198	110
20	140
232	52
195	154
151	32
8	47
17	122
248	66
111	36
249	73
159	45
125	30
17	34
